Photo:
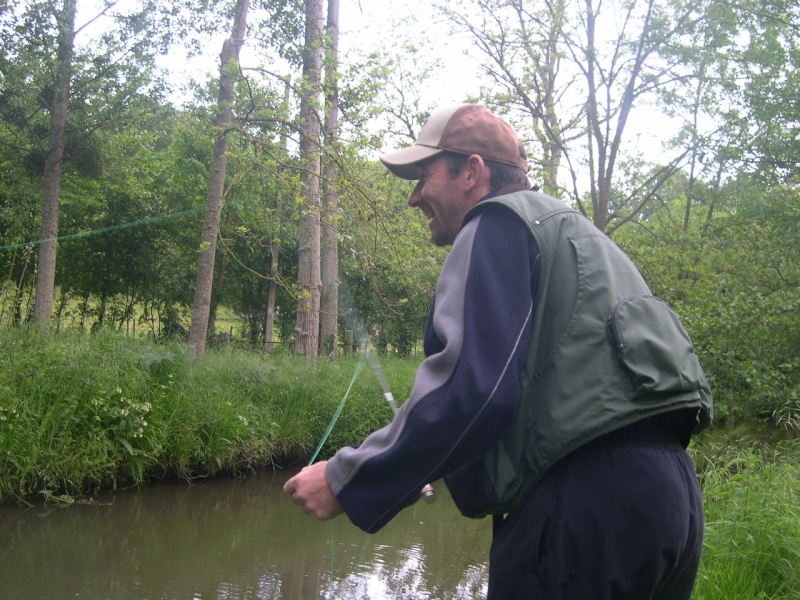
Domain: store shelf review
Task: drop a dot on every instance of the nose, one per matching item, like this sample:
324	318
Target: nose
416	195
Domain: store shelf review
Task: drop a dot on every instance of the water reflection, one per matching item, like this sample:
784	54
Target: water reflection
235	539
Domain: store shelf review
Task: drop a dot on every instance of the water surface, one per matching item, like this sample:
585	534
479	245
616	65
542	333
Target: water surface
242	538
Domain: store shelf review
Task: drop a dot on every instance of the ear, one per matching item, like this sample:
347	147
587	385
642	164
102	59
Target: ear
476	176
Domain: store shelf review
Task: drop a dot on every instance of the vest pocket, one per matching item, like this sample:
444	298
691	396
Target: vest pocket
653	348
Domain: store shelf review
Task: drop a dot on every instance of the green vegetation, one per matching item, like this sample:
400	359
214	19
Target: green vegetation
81	413
752	536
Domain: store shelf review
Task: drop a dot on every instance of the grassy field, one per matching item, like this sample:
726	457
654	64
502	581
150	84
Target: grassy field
82	414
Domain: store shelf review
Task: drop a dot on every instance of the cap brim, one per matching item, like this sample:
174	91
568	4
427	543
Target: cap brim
404	163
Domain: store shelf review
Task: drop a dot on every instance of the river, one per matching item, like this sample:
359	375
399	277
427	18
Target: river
235	539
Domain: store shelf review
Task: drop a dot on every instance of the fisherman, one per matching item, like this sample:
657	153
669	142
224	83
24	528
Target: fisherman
558	395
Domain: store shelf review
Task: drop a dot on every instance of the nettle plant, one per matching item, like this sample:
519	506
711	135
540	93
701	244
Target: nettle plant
121	415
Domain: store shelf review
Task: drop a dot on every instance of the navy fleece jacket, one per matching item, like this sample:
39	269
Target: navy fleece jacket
466	392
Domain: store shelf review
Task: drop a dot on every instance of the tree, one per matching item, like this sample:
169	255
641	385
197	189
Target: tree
228	73
329	260
46	271
387	261
576	71
522	43
734	282
763	113
308	278
57	95
275	242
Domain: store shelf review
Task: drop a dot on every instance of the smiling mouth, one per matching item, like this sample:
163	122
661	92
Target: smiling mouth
427	211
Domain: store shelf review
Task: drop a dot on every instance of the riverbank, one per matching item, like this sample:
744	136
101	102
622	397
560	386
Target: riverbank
80	414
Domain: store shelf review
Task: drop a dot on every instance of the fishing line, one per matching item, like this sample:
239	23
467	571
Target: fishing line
338	411
110	228
336	414
352	319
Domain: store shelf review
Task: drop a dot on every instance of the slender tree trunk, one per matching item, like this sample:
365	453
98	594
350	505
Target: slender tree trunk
229	59
62	306
217	288
274	248
715	188
690	191
690	188
608	142
269	317
329	318
20	288
552	139
101	313
308	277
51	187
599	196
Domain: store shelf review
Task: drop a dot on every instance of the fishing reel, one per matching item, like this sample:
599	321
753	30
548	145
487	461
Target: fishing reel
427	493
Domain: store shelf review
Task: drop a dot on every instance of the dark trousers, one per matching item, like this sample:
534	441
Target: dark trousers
621	519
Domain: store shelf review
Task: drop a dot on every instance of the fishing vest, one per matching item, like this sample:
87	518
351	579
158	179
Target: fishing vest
604	353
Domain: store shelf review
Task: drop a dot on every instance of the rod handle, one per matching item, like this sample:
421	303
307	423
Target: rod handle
428	493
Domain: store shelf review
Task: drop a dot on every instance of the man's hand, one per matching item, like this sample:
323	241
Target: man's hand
309	489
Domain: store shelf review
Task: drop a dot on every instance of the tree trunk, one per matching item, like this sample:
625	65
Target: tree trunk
308	277
552	142
51	187
274	247
513	33
20	288
229	59
607	135
269	317
217	288
329	321
690	191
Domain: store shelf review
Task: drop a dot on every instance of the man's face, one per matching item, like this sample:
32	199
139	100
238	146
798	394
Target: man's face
441	196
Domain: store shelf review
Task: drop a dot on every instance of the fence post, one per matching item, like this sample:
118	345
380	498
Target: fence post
348	342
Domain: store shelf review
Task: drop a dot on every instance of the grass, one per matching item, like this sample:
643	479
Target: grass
84	413
751	493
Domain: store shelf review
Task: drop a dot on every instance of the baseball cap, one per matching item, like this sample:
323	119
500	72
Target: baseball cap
463	129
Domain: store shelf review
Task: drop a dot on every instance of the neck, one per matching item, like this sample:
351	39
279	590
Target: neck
507	189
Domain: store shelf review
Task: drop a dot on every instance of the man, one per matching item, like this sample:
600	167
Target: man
558	394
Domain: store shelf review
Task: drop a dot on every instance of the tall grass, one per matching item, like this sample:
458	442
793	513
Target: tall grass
81	413
752	509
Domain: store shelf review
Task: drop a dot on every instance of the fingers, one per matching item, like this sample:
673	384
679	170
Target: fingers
290	487
309	489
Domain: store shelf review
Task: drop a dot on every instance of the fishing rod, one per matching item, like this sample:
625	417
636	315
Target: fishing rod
353	317
372	358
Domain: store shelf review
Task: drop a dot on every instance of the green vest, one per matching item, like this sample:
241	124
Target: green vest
604	353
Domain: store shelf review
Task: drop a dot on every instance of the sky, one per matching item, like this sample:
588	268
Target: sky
366	22
365	25
368	25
